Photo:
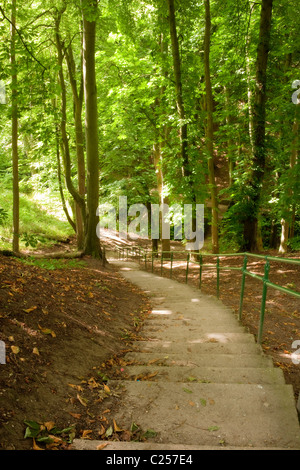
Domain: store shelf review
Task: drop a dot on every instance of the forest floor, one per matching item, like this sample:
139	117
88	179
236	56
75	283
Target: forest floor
62	328
65	330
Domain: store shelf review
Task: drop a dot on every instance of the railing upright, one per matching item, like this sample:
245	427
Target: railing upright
187	267
218	277
244	268
200	270
263	301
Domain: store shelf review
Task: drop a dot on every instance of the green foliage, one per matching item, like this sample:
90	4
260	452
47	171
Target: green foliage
41	221
3	216
137	108
53	264
48	433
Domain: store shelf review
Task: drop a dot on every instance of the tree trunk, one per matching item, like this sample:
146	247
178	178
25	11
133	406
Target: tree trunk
178	88
259	128
79	137
157	159
92	242
249	88
14	131
287	222
230	141
209	130
60	185
63	127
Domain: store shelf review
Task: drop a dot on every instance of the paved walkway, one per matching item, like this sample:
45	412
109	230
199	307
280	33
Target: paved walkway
210	385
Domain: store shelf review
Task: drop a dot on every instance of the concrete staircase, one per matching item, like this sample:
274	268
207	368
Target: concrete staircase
198	379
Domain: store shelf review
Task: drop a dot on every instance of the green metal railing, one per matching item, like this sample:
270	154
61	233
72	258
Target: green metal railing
198	259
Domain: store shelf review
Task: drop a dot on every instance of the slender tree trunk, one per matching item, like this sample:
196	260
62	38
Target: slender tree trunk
14	131
63	127
249	87
92	243
230	141
287	222
178	87
157	159
79	138
60	185
259	128
209	130
186	168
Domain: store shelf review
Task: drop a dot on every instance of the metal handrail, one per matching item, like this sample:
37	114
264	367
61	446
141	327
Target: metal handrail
146	255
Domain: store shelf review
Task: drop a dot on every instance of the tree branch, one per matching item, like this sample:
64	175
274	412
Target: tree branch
22	40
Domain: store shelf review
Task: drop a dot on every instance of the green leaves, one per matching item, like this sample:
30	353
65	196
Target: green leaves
47	433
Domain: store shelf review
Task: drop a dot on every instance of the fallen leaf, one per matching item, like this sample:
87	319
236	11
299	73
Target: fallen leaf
36	351
213	428
92	383
35	446
75	415
83	401
15	349
101	446
49	425
152	361
28	310
47	331
116	427
85	434
109	431
187	390
102	430
106	388
77	387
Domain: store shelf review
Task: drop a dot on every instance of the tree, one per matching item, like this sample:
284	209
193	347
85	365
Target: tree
14	131
78	198
256	175
92	244
209	130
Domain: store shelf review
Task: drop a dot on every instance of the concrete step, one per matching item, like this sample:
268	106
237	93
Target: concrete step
209	374
83	444
197	321
239	415
182	347
176	333
192	360
210	385
211	336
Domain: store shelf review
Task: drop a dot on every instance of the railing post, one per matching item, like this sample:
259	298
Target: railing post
200	271
171	265
218	277
244	268
152	259
161	262
263	301
187	267
146	260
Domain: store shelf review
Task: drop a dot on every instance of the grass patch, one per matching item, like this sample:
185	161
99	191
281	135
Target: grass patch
53	264
41	219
